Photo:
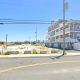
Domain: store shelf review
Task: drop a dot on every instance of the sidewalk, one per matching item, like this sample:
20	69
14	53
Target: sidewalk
73	52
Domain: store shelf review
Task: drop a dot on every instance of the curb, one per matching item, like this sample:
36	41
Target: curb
37	55
29	55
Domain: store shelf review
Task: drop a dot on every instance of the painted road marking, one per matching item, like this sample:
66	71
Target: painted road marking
34	65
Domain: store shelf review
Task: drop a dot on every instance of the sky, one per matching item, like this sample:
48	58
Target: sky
33	10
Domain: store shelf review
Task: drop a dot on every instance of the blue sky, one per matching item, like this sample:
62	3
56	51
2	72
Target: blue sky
33	10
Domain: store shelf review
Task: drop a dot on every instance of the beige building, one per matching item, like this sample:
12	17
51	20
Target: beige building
55	34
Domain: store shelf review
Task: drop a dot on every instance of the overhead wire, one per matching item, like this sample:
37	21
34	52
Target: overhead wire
14	21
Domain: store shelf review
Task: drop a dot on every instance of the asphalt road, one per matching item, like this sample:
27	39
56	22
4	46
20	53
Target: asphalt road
48	68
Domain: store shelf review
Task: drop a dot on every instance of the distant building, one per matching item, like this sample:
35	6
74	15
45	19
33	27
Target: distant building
55	34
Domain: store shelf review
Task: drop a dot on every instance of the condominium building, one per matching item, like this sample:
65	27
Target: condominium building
55	34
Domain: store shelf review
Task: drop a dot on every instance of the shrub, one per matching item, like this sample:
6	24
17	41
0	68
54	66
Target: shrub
54	51
0	53
7	53
11	52
43	52
34	51
27	52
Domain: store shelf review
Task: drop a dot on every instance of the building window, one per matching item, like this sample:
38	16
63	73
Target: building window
53	39
78	27
71	26
61	36
52	33
71	35
66	26
48	38
66	35
57	30
57	37
61	28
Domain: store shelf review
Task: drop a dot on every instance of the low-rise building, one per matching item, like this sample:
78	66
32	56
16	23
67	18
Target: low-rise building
55	34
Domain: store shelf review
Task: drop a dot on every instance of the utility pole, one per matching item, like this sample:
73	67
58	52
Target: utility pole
63	27
6	40
29	39
36	34
65	6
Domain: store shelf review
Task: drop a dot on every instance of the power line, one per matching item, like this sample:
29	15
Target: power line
36	34
12	21
23	20
23	23
6	40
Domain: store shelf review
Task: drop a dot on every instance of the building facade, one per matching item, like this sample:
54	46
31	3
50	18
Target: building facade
55	34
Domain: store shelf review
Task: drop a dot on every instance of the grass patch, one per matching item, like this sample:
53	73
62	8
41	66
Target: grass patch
54	51
11	52
27	52
43	52
7	53
0	53
34	51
